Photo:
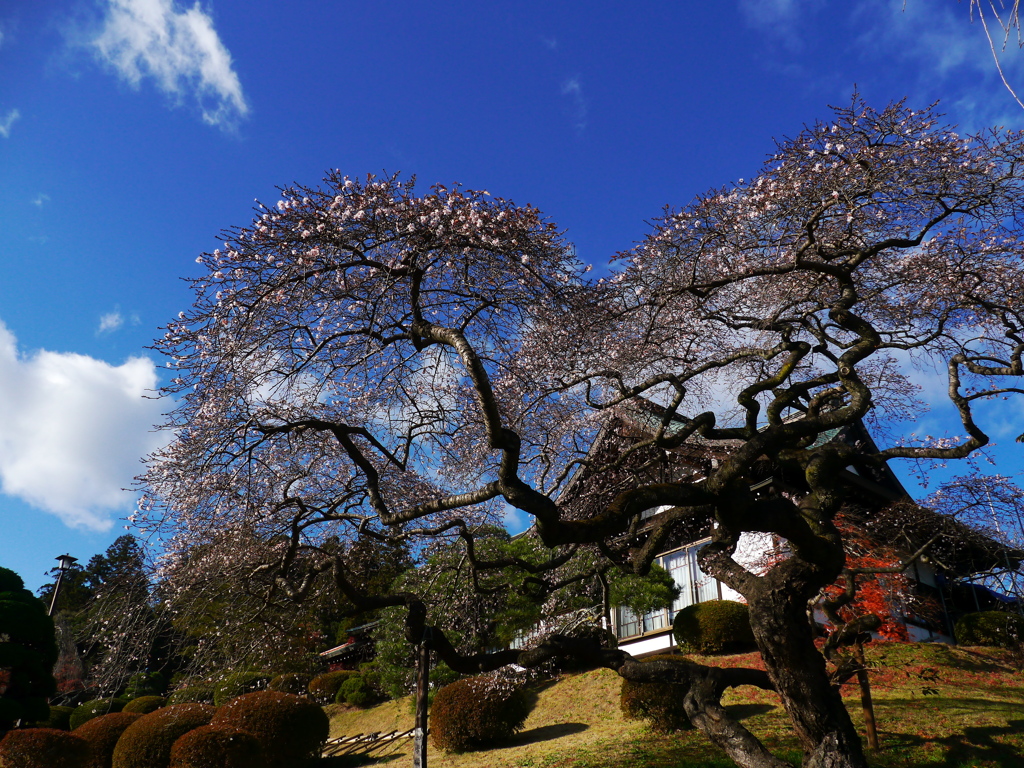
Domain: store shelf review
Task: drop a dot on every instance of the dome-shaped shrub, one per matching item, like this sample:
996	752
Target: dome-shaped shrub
85	712
192	694
660	704
295	683
102	734
1003	630
476	712
238	683
290	729
43	748
147	742
713	627
324	688
60	718
355	691
217	746
145	704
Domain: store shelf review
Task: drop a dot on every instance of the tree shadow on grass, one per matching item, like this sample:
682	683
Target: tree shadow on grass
976	745
743	711
547	732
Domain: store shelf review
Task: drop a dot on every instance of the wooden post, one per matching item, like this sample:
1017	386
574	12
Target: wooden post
865	698
419	750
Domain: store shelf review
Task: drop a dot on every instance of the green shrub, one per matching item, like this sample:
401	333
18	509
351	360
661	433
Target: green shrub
28	653
85	712
147	742
660	704
324	688
238	683
1003	630
192	694
144	684
477	712
102	734
214	745
289	729
294	683
43	748
145	704
713	627
354	691
60	718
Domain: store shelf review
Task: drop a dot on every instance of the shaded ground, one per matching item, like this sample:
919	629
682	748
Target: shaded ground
936	706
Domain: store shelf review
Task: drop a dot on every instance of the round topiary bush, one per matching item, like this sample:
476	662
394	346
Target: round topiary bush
660	704
713	627
289	729
295	683
145	704
214	745
995	628
238	683
102	734
192	694
477	712
354	691
85	712
324	688
43	748
147	742
60	718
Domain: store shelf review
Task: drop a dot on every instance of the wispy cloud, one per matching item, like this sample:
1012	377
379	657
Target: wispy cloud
8	121
40	200
114	320
573	91
110	322
179	49
72	429
551	43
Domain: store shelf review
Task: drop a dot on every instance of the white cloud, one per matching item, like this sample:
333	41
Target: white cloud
8	121
179	49
72	431
110	322
41	199
573	90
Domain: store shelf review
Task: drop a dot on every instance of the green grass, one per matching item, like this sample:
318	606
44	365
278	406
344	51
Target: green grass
936	707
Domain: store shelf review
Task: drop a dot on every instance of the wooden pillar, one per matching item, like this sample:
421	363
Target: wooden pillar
419	753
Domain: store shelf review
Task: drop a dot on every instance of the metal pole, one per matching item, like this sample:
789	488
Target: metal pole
56	589
419	753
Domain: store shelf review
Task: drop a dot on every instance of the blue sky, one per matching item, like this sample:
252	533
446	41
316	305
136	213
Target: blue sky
133	131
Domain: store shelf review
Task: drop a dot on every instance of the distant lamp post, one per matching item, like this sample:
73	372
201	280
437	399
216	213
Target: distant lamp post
64	564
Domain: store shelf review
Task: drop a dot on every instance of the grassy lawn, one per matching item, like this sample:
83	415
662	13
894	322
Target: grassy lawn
936	707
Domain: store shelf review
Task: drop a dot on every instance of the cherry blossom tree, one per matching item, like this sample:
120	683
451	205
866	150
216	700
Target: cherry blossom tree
367	361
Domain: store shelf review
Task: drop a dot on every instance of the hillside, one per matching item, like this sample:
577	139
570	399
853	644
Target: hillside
937	707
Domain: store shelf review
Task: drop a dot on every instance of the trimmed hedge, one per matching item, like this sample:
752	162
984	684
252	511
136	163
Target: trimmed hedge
238	683
296	683
214	745
476	712
145	704
97	707
713	627
289	729
1003	630
324	688
354	691
147	742
102	734
660	704
192	694
60	718
43	748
